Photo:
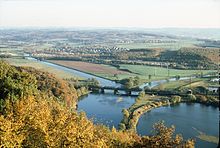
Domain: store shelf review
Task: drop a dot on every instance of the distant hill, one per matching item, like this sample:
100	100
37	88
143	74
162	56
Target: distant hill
210	53
192	58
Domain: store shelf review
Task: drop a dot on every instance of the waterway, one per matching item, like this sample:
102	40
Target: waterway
106	109
187	118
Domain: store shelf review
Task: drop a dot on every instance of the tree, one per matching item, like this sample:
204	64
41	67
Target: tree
141	94
175	99
95	82
125	115
43	121
164	137
191	97
177	77
136	81
122	126
149	77
125	112
129	83
116	76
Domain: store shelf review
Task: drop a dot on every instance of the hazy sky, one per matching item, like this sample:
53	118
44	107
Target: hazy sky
111	13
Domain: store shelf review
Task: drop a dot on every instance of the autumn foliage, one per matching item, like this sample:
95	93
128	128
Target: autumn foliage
31	118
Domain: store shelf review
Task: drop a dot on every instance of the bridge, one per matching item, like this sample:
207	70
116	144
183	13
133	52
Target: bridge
101	89
114	89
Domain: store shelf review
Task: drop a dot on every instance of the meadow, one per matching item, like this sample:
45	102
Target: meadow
161	72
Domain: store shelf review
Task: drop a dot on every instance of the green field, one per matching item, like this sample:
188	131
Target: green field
113	77
160	72
172	46
157	73
39	66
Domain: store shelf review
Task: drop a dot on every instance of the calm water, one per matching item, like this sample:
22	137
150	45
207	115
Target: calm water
185	117
103	82
106	109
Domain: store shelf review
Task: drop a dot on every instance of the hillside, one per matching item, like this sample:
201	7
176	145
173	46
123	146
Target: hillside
33	115
17	82
195	58
210	53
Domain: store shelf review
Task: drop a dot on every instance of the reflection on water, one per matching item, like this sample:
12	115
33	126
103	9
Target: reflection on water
185	117
105	108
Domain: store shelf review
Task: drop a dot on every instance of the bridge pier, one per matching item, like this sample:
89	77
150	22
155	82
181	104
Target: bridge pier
129	92
102	90
116	91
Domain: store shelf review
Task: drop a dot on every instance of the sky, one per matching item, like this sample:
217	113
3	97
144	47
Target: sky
110	13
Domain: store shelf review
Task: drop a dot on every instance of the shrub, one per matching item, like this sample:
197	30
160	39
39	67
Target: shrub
191	97
175	99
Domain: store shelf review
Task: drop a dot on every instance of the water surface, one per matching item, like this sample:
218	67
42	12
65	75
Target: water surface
185	117
106	109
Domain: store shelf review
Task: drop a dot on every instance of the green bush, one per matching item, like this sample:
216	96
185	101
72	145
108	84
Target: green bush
191	97
175	99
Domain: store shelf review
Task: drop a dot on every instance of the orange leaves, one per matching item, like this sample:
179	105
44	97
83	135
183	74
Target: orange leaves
41	121
45	123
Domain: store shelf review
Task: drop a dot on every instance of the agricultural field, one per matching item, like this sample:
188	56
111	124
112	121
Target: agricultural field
171	46
29	63
126	71
160	72
101	70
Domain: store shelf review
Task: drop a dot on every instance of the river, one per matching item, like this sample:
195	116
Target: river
187	118
106	109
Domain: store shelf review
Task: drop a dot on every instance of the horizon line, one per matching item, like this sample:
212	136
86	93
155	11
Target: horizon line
105	27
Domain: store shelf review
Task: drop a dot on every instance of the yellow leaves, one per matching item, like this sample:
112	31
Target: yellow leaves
163	137
32	122
10	134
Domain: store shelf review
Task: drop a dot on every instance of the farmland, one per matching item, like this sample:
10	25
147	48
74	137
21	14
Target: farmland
164	44
160	72
126	71
40	66
101	70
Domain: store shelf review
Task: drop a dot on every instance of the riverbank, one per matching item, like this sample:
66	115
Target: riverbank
145	103
142	104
